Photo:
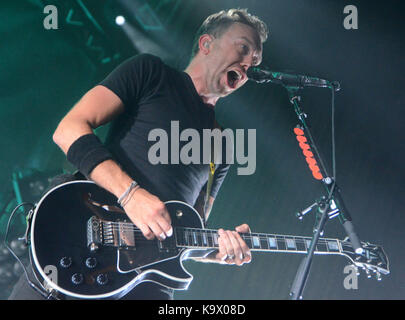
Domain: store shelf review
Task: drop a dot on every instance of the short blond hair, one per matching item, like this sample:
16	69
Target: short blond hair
217	23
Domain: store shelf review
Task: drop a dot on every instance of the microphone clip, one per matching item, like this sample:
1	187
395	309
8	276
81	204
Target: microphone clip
333	210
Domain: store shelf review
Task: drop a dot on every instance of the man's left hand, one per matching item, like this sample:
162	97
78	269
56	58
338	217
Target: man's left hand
232	248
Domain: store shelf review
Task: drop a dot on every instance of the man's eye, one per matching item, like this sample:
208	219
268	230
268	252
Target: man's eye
245	48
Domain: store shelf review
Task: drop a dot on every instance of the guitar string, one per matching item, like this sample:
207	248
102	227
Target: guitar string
130	227
140	239
138	236
143	241
209	232
127	226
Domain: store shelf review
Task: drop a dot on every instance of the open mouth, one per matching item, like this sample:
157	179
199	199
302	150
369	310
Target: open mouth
233	77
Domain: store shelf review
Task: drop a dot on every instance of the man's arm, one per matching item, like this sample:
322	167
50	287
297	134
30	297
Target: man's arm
97	107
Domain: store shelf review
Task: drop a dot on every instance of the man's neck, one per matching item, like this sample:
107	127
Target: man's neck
196	71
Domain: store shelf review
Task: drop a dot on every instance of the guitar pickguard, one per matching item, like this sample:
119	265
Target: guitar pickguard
130	260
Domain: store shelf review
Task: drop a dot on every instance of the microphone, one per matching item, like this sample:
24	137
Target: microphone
289	79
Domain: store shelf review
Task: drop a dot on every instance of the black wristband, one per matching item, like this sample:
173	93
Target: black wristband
87	152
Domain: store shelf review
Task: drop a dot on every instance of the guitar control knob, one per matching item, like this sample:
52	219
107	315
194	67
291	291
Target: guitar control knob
65	262
102	279
91	262
77	278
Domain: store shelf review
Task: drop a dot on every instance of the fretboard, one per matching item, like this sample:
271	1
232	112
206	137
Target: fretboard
208	239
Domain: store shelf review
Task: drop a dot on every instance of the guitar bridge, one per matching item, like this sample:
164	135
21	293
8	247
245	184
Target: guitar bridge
94	233
109	233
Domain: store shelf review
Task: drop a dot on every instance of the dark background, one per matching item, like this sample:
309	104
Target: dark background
44	72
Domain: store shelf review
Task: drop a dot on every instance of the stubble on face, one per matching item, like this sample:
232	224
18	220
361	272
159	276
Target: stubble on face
237	49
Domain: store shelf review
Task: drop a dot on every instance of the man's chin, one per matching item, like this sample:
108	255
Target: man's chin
226	90
223	89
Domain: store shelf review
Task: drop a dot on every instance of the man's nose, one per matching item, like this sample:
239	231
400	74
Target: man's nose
247	62
245	66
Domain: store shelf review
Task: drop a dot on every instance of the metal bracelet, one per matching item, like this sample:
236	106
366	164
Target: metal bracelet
126	193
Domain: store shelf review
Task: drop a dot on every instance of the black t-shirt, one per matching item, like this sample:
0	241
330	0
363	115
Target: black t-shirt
154	95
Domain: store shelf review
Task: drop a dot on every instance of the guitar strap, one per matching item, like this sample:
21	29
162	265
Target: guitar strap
211	171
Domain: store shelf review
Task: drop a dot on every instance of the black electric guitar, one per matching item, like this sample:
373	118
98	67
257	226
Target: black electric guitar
83	245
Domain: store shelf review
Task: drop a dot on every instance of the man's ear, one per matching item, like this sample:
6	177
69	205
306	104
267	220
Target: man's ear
204	43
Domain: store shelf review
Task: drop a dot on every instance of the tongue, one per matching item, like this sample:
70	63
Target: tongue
232	78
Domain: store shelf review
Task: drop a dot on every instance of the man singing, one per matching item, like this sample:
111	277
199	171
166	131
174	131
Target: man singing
142	94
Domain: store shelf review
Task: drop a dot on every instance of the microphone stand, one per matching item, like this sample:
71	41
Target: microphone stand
303	270
333	201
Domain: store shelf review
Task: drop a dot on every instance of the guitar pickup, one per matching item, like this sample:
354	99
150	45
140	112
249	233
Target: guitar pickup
126	236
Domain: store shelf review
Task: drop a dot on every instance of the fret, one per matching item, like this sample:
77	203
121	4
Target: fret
264	243
185	237
316	247
272	243
256	242
210	239
321	246
281	245
200	237
300	244
333	246
178	235
215	238
307	243
194	236
189	238
248	240
290	243
204	239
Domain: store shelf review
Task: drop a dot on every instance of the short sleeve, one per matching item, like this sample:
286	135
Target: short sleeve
134	78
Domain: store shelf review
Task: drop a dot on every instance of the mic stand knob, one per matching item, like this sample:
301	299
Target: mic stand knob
300	215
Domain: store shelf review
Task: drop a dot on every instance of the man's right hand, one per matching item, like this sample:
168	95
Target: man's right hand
149	214
97	107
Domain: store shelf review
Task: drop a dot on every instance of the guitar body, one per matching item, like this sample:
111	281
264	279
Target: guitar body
75	248
83	245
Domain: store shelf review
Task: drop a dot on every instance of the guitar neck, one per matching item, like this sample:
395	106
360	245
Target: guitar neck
208	239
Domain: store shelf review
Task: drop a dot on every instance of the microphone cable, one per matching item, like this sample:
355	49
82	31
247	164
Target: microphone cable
333	146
